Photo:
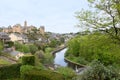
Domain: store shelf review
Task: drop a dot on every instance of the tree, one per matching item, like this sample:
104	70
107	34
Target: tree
33	48
97	71
105	14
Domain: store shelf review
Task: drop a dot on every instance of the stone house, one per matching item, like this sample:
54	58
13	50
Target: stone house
18	37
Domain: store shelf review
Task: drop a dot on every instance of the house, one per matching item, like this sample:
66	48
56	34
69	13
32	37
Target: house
16	54
18	37
4	36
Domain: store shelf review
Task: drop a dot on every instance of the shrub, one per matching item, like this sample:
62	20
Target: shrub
97	71
10	43
95	46
28	60
10	71
33	48
67	72
22	47
33	73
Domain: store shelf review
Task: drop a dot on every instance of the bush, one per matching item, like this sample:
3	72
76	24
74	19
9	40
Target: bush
33	73
95	46
33	48
97	71
10	43
22	47
45	58
10	71
48	50
67	72
28	60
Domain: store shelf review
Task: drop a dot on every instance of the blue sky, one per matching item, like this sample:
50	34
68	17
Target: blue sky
56	15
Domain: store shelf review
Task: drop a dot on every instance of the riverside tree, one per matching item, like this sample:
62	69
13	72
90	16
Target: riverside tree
105	15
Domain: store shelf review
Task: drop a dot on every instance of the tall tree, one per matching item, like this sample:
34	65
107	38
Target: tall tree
104	14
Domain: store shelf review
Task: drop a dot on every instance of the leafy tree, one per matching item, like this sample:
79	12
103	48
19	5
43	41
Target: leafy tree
97	71
25	48
105	14
95	46
45	58
74	46
33	48
22	47
54	43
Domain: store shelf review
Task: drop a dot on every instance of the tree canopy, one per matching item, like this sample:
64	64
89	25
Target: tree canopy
103	15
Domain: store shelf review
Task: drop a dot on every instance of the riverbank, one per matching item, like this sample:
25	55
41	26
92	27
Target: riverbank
74	63
58	49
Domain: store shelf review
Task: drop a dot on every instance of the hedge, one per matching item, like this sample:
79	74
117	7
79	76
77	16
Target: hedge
33	73
28	60
9	71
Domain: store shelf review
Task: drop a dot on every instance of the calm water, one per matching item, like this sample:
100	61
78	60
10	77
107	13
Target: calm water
59	58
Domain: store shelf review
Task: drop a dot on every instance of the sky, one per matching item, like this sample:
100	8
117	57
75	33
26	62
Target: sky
56	15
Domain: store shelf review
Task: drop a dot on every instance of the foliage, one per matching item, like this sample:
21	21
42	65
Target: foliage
28	60
22	47
67	72
54	43
9	71
41	45
10	43
105	14
45	58
48	59
33	73
33	48
97	71
95	46
1	46
48	50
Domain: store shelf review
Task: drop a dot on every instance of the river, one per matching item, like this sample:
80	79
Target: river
59	58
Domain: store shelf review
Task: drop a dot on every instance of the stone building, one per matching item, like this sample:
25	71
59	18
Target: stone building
17	28
23	29
42	30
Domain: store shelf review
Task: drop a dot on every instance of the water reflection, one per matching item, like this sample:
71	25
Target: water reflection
59	58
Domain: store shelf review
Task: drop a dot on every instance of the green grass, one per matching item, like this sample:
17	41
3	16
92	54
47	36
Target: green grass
2	61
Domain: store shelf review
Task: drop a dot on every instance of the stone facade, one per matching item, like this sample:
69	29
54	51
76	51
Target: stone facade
42	30
18	37
19	29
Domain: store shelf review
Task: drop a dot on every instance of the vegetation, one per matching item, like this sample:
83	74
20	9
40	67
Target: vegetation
97	71
100	42
22	47
27	71
96	46
28	60
105	15
1	46
33	73
33	48
44	58
9	71
68	73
